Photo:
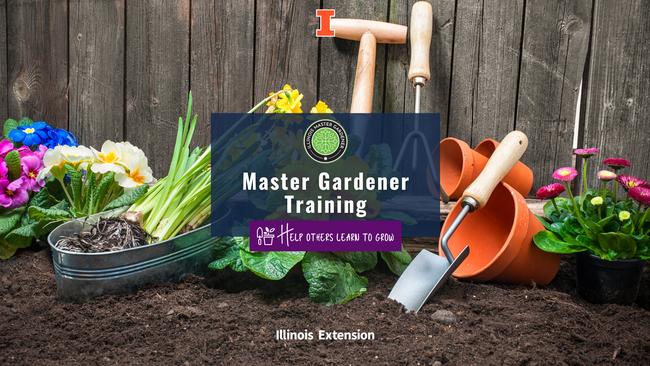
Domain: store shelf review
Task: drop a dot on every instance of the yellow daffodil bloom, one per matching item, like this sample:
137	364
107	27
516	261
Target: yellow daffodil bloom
289	102
321	108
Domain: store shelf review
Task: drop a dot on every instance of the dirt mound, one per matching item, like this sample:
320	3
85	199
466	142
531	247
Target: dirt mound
234	318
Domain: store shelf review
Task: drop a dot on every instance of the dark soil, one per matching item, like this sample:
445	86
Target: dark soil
232	319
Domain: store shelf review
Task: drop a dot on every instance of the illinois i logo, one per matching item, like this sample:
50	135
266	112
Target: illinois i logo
325	141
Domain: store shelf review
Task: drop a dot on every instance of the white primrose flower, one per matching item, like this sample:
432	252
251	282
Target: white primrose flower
108	160
138	173
51	158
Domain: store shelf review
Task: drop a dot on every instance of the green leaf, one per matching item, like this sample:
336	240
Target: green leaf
331	280
607	219
63	205
227	253
18	241
544	222
572	224
41	199
360	261
380	160
611	227
594	228
586	196
397	216
127	199
549	210
550	242
6	250
38	213
617	246
397	261
33	230
75	183
13	164
589	243
243	242
8	220
89	191
100	192
10	124
25	121
627	228
271	265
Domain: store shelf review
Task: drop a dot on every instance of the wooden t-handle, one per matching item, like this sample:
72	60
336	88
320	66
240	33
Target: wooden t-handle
364	81
421	29
502	160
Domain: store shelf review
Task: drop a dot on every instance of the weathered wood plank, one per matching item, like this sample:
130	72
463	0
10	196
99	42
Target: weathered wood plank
618	91
339	57
97	71
3	60
37	60
285	51
556	39
400	94
157	70
485	69
222	60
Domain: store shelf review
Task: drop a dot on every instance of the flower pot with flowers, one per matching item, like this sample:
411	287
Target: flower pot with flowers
47	178
609	236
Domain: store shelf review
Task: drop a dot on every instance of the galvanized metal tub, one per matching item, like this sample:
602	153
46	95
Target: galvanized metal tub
80	277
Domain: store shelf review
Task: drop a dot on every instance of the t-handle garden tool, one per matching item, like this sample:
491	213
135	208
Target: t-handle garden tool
368	33
428	272
419	74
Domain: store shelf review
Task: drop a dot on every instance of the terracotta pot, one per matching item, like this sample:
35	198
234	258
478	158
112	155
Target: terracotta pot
500	237
459	167
520	176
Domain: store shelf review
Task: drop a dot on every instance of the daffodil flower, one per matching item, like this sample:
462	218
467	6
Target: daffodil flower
289	102
321	108
108	160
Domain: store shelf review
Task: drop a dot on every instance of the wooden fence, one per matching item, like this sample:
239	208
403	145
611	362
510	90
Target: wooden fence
121	69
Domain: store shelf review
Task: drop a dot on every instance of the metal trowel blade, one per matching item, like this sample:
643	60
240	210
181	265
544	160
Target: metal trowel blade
423	277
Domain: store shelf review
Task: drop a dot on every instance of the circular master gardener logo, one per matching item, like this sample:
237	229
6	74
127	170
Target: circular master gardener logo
325	141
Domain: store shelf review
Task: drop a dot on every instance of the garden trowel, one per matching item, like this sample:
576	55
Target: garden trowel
428	272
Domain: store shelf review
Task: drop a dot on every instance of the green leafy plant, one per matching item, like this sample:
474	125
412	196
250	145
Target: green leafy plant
596	221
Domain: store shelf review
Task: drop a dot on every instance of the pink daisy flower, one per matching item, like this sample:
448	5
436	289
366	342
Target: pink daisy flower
616	163
630	181
550	191
586	153
640	194
606	175
565	174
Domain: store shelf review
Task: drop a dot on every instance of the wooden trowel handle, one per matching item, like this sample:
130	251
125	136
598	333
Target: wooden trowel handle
421	29
502	160
364	81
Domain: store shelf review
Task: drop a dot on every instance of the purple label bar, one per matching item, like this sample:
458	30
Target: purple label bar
326	236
